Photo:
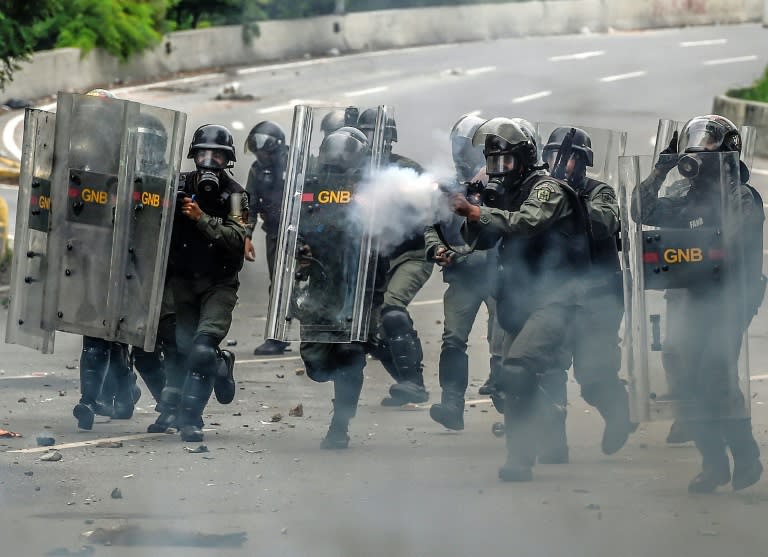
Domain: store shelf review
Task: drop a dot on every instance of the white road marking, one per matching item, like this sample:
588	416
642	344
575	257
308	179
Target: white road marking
9	188
369	91
531	97
331	59
426	302
621	76
761	171
237	125
268	360
478	71
653	141
289	105
92	442
758	377
35	375
736	60
576	56
709	42
8	136
467	403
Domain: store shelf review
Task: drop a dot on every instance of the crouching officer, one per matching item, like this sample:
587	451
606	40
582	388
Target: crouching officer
543	253
207	252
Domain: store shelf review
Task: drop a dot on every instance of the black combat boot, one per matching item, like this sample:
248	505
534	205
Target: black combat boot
197	390
347	385
612	401
454	376
271	347
715	467
551	412
747	468
93	364
169	410
406	355
224	386
127	392
521	453
489	387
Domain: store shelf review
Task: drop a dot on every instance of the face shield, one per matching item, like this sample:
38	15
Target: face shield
701	135
211	159
262	142
499	164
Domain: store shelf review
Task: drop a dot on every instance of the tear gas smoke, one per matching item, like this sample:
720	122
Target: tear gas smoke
396	204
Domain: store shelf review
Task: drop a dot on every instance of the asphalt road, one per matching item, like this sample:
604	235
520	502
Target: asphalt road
406	486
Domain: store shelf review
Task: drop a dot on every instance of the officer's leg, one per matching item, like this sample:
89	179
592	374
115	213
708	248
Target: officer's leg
215	321
203	364
715	468
676	361
128	392
152	365
537	346
347	385
94	360
460	303
747	468
495	338
105	403
270	347
596	364
406	278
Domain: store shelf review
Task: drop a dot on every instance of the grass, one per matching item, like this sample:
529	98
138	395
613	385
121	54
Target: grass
757	92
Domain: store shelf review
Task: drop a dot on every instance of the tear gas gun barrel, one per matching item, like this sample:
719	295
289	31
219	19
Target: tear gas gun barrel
563	155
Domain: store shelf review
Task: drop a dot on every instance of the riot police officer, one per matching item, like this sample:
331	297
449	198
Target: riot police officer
470	279
395	341
207	252
543	252
595	339
700	354
266	180
332	121
340	162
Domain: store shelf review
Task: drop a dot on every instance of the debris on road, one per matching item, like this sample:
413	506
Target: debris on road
53	456
29	473
231	92
71	366
276	418
280	375
592	507
297	411
299	371
9	434
109	444
131	535
197	450
231	342
22	399
116	493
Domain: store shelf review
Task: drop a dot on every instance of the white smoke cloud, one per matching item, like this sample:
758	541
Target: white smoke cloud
398	203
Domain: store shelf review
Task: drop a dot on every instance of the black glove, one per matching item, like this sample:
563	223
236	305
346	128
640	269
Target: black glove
668	157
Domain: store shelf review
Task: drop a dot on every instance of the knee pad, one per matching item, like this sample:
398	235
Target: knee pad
517	381
203	360
396	322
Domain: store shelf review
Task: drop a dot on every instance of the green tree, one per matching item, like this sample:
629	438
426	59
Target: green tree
16	32
121	27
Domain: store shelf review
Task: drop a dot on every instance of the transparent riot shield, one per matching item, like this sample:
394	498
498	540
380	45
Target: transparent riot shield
607	147
114	179
326	256
691	289
25	313
667	129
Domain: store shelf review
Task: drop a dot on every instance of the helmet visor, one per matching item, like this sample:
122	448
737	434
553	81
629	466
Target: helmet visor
262	142
701	135
500	163
213	159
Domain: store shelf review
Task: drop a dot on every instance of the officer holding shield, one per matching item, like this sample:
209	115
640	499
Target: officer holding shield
701	353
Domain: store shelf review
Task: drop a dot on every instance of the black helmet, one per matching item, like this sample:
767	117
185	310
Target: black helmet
332	121
264	136
528	129
581	143
508	149
367	122
709	133
343	149
153	138
467	158
213	137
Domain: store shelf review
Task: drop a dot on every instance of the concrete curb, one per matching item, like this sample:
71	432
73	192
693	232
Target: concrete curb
750	113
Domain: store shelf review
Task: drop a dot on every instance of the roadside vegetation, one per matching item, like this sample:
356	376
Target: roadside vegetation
758	91
125	27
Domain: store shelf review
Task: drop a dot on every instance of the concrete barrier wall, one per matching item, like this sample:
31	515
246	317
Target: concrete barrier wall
65	69
749	113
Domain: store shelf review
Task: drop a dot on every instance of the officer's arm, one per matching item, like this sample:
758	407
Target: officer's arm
254	197
431	241
648	208
604	212
545	205
228	235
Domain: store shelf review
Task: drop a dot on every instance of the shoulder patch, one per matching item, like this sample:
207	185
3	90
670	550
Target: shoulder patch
544	190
